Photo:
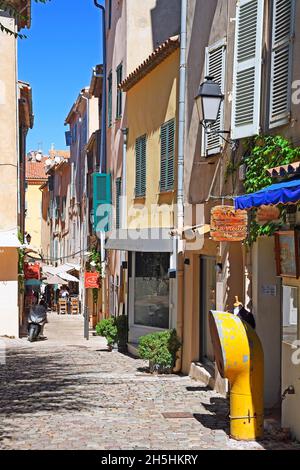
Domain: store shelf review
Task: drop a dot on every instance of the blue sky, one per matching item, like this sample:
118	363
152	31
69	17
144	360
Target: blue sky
63	45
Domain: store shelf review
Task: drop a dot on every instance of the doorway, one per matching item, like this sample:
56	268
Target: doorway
208	281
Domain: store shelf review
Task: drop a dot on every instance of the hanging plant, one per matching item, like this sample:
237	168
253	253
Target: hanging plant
263	153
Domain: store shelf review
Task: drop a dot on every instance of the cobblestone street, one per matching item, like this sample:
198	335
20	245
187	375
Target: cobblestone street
67	393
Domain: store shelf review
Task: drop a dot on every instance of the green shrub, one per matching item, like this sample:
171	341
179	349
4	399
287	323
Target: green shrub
160	349
107	328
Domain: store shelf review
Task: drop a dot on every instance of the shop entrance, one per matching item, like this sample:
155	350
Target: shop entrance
207	303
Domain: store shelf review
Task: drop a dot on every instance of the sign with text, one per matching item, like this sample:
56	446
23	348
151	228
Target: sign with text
91	280
266	214
32	271
228	224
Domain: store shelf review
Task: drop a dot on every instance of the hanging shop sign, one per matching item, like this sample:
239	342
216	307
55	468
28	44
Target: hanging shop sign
228	224
266	214
32	271
287	253
91	280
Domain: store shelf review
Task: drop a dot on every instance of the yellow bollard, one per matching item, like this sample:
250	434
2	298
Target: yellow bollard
240	359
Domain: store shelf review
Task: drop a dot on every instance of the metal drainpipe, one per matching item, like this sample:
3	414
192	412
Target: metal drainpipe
103	120
99	140
180	183
124	207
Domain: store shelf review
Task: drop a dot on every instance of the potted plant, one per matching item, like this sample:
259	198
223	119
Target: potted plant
107	328
121	323
160	349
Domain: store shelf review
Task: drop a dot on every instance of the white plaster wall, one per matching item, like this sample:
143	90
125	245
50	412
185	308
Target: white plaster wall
9	312
291	376
267	311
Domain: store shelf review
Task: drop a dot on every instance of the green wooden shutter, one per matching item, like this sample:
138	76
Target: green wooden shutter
102	202
167	156
281	73
119	92
118	205
109	97
140	166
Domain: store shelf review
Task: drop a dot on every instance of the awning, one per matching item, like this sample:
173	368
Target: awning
9	239
142	240
55	280
68	277
287	192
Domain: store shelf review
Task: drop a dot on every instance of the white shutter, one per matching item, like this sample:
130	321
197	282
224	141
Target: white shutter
282	37
247	68
215	66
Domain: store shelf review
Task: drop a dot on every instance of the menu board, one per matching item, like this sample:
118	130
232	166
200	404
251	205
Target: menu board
287	253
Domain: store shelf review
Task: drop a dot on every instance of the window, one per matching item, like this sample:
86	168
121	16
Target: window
247	68
57	206
118	205
63	210
102	202
140	166
290	311
167	156
215	67
151	298
119	92
109	97
74	133
281	65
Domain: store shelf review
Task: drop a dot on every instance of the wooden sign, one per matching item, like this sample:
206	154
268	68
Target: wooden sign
267	214
91	280
228	224
32	271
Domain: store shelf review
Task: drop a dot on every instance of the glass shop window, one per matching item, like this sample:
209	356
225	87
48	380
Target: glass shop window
152	290
290	310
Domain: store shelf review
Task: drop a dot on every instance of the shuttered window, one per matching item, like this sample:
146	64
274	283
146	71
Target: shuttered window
282	36
247	68
119	92
167	156
102	202
109	99
140	166
215	67
118	205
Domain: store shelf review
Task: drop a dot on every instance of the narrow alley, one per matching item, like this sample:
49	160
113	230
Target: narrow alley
69	393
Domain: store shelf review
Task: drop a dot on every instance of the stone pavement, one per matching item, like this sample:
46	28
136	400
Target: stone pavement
67	393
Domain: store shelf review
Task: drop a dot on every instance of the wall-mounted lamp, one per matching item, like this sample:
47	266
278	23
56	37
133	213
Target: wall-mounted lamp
208	102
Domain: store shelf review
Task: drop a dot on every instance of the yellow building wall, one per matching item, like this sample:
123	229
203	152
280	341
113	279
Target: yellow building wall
33	221
151	103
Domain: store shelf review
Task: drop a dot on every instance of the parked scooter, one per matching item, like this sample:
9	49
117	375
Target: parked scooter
36	321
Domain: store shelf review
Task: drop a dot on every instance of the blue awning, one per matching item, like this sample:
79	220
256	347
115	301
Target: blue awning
280	193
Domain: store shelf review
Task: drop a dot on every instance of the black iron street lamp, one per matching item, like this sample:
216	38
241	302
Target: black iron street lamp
208	102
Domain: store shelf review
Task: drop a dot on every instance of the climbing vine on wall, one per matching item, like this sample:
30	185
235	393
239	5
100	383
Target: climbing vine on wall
263	153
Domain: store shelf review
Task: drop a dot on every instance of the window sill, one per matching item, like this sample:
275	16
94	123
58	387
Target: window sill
168	191
139	198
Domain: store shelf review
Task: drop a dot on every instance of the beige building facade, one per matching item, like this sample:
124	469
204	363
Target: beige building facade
15	116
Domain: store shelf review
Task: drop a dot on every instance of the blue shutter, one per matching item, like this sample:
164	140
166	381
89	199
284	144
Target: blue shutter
102	202
68	136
